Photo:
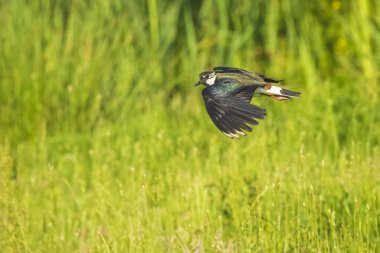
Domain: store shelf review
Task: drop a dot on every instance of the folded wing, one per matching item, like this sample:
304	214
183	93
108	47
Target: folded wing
254	76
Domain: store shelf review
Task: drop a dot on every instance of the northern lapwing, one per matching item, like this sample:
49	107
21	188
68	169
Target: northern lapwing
228	94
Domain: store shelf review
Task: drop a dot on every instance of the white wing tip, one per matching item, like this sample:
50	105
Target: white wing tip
234	135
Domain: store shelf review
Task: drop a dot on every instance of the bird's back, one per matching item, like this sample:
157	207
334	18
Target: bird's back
237	78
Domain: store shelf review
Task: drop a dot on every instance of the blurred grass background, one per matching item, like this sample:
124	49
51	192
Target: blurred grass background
105	145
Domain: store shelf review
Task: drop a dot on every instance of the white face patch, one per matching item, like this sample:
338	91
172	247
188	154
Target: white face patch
211	80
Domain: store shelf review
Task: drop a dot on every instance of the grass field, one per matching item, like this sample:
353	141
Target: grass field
105	145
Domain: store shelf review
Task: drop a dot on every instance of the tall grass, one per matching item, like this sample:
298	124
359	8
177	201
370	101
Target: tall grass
105	146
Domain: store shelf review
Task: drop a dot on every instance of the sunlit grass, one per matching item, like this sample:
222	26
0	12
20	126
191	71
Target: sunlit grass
105	145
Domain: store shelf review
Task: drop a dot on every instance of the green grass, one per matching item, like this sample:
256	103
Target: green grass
105	145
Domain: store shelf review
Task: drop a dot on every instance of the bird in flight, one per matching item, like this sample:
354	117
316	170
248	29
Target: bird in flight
228	94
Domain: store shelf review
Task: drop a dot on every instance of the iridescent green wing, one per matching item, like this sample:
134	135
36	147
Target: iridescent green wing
231	111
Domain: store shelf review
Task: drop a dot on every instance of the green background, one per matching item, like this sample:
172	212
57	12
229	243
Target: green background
105	145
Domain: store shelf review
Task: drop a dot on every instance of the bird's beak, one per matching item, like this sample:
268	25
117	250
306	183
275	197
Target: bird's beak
198	83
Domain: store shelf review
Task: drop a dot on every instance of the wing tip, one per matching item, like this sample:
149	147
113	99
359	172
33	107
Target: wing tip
235	135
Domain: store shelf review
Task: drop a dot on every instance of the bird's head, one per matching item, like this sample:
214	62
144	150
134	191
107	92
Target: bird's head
207	78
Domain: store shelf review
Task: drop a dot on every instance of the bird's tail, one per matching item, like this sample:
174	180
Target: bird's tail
279	93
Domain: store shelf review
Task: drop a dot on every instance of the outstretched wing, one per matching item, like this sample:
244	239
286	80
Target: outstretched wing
254	76
231	112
